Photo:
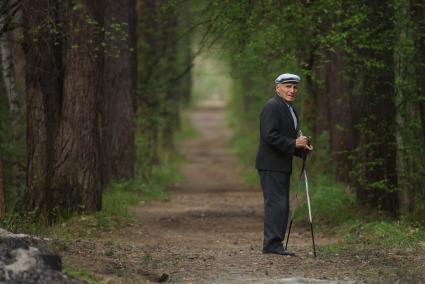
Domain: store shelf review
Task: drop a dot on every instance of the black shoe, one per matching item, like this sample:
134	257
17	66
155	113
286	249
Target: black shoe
280	252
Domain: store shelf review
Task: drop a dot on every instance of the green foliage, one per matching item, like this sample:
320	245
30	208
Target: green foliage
387	234
82	274
117	199
187	131
360	235
381	54
244	145
333	204
336	212
119	196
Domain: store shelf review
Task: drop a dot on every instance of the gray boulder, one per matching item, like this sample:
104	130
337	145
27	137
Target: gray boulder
22	263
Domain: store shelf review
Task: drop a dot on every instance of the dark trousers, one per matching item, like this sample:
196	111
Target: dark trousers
275	187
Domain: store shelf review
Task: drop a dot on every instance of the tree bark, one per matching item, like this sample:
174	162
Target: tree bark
185	50
62	100
378	96
120	73
416	166
171	100
340	118
77	179
43	95
2	201
418	13
148	100
9	75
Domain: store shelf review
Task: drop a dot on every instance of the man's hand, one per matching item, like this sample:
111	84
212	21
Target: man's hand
302	143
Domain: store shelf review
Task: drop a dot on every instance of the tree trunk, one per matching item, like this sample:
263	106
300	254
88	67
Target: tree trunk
418	13
63	123
148	101
119	88
339	107
185	50
417	194
2	201
77	179
9	77
170	102
378	96
43	92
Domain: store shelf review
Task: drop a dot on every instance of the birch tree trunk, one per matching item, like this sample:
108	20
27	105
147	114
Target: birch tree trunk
9	79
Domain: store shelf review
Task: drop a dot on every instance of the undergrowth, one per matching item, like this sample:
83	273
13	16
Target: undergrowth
116	199
82	274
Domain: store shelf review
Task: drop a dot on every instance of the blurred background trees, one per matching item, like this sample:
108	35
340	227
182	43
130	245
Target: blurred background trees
92	91
361	97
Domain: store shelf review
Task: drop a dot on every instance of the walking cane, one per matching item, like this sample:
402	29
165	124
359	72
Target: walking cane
303	173
309	210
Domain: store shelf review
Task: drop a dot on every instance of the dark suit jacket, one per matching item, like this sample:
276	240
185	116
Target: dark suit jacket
277	137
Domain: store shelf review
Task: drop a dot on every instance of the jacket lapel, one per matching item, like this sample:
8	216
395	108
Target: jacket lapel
286	111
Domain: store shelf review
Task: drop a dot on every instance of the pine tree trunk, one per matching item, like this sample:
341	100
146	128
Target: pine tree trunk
43	95
148	102
63	123
2	201
418	13
77	177
417	10
119	87
170	103
340	118
378	96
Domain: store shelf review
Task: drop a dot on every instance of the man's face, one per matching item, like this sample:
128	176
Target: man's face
287	91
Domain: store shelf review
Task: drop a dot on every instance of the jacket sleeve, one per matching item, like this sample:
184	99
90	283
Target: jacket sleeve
299	152
269	130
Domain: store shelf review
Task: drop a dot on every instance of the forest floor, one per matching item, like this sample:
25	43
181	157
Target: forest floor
209	230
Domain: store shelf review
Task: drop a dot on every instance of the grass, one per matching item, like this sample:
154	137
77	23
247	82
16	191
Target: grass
186	131
116	200
332	203
148	260
82	274
336	213
244	145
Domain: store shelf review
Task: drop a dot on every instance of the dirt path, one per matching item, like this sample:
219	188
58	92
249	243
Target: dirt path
210	231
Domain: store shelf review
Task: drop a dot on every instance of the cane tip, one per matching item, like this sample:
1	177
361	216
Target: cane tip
312	253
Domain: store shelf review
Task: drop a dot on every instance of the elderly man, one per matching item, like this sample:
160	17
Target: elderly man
278	144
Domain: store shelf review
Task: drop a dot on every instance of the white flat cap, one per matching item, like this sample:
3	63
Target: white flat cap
287	78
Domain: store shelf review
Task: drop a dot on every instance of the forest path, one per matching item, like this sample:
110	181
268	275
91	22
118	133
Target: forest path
209	230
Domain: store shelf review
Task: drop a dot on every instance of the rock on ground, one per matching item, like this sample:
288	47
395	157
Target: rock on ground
22	263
